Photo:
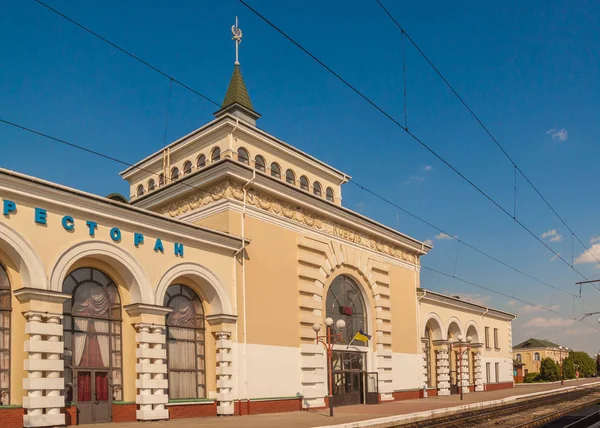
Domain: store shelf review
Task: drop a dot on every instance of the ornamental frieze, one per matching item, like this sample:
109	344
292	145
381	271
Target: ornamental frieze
229	189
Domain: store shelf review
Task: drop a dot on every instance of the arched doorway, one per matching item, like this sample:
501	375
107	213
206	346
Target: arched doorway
473	349
92	333
186	340
454	332
433	332
349	367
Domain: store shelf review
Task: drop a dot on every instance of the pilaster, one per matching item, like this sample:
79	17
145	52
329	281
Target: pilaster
224	373
478	373
443	372
464	372
313	363
44	382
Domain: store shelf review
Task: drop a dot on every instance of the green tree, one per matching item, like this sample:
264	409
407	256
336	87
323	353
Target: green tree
549	370
568	367
583	363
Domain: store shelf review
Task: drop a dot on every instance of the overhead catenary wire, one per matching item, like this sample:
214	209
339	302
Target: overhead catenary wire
404	34
411	134
128	164
174	79
483	287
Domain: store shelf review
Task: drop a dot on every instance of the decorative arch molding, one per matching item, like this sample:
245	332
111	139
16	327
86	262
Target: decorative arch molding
476	327
130	270
443	330
24	257
319	260
454	320
209	286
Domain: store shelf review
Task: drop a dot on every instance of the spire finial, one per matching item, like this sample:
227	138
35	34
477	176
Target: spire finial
237	38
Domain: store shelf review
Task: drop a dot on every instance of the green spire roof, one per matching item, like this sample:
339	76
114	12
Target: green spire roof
237	92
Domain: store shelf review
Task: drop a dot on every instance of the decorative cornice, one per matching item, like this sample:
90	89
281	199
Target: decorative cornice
28	294
437	298
136	309
229	188
221	319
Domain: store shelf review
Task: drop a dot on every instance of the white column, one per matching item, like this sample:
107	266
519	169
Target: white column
224	373
464	370
43	383
424	365
478	374
443	372
151	369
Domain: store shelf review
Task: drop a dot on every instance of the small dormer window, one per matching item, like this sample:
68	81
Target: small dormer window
243	156
275	170
187	168
201	162
304	183
216	154
317	189
161	180
151	185
329	194
290	177
259	163
174	174
140	190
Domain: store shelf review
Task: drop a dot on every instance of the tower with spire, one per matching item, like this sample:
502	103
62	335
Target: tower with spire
237	101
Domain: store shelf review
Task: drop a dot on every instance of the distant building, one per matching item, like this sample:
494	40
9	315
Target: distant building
518	371
533	351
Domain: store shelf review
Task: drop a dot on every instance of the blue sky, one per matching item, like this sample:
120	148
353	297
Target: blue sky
530	72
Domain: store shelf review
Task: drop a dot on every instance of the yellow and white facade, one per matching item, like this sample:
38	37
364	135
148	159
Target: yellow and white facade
198	296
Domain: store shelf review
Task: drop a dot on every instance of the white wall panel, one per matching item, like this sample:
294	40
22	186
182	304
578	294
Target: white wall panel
406	371
273	371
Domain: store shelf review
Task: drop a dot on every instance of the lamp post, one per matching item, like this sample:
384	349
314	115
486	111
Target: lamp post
328	341
460	338
562	373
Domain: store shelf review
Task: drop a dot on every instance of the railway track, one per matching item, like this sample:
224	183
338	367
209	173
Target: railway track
501	416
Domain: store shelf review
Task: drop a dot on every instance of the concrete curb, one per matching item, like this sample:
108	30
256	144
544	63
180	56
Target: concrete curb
390	421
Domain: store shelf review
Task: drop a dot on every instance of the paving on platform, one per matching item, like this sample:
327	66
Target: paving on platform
349	414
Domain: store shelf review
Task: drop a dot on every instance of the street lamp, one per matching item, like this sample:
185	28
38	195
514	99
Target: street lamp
328	341
562	373
461	339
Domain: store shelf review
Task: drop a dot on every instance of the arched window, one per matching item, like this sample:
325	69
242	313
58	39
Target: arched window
161	180
201	162
215	155
290	177
92	334
304	183
151	185
187	168
174	174
140	190
519	358
329	194
536	356
5	308
185	333
317	189
275	170
259	163
243	156
344	301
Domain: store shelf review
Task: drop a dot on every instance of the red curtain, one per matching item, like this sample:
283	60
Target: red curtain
84	386
101	386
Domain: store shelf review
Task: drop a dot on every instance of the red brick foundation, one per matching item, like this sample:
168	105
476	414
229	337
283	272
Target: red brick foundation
497	386
11	417
192	410
250	407
408	394
124	412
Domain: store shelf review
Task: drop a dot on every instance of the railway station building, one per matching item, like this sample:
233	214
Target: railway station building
201	292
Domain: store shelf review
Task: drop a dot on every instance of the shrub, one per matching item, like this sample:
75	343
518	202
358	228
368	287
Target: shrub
549	370
532	377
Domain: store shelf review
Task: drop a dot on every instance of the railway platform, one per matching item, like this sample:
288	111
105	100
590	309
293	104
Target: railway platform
363	416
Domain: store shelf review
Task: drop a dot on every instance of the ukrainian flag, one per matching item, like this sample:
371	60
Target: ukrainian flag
362	336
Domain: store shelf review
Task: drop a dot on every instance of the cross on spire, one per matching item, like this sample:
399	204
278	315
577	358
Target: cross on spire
237	38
